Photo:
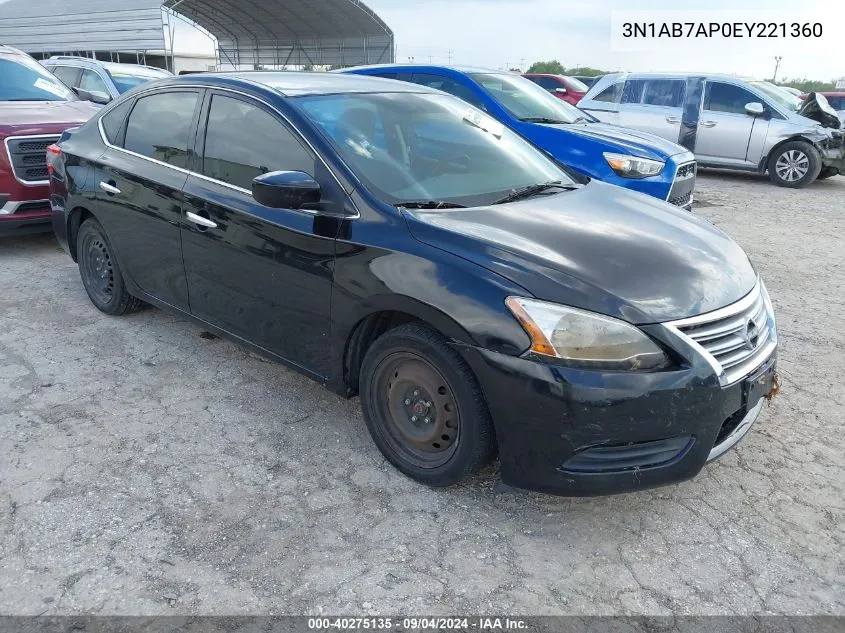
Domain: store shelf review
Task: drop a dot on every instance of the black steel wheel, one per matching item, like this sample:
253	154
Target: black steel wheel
423	407
100	271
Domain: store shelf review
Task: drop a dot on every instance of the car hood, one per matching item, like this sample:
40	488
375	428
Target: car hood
817	108
40	117
620	139
600	248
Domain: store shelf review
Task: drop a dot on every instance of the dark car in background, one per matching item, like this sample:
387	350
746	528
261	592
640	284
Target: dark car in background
627	158
568	89
35	108
587	81
392	241
104	81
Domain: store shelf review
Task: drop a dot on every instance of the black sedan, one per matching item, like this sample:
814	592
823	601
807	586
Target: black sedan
391	241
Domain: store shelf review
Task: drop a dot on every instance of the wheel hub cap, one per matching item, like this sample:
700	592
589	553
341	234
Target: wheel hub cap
792	165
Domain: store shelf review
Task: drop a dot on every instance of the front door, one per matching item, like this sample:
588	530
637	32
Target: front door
264	275
725	129
139	182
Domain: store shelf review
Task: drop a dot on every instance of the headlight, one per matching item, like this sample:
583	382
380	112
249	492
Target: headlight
586	339
633	167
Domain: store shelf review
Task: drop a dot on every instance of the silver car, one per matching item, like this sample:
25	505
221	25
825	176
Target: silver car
100	81
727	122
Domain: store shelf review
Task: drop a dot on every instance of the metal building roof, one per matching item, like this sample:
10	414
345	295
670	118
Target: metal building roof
267	32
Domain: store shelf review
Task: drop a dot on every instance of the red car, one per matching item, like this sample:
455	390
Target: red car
35	108
569	89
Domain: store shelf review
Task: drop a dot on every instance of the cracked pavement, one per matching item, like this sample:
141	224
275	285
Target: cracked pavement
147	470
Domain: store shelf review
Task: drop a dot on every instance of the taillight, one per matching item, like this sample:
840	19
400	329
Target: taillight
53	154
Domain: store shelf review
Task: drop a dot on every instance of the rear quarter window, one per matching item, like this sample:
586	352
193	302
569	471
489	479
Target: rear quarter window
113	121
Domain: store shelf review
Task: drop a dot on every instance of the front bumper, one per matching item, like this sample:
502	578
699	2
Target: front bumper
573	432
28	216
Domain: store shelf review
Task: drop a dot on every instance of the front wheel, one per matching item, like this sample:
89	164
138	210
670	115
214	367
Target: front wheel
424	408
794	164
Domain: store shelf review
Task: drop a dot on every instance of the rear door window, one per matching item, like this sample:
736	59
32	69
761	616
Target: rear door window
668	93
723	97
113	121
549	83
161	127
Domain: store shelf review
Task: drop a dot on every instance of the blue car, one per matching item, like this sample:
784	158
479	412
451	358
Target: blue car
620	156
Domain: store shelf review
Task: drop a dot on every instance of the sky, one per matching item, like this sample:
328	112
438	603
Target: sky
515	33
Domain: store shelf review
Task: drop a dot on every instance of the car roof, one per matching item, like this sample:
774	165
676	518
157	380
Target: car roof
833	93
297	83
8	50
430	67
684	75
138	69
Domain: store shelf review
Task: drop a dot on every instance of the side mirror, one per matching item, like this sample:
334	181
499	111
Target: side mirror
285	189
754	108
561	91
93	96
100	97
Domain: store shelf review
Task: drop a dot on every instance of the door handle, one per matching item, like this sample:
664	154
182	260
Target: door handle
109	188
201	221
672	119
708	124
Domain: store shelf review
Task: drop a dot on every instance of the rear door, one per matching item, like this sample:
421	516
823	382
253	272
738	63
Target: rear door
264	275
139	181
726	130
653	105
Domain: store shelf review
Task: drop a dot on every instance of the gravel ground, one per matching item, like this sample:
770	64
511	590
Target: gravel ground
147	470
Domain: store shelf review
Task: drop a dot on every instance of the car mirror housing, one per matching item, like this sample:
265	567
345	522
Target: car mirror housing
754	108
285	189
93	96
561	91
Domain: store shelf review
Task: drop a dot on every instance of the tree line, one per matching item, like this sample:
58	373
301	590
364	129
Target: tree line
554	67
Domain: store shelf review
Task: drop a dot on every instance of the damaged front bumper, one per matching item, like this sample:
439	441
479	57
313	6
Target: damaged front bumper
833	151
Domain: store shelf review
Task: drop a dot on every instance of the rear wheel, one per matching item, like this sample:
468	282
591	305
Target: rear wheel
100	272
423	407
794	164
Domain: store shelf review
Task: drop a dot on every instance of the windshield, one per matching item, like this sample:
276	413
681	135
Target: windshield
782	98
576	84
408	147
24	79
125	81
527	101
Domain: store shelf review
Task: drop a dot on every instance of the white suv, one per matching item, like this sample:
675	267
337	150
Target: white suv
103	81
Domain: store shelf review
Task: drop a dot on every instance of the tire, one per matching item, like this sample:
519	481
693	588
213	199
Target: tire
423	407
827	172
100	272
794	164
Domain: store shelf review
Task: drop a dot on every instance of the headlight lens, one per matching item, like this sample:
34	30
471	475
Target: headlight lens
633	167
586	339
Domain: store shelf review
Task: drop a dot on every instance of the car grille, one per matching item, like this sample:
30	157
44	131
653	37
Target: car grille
683	186
28	156
686	171
682	201
739	338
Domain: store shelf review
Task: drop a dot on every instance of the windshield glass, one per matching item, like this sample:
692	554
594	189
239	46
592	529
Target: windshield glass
408	147
527	101
576	84
24	79
784	99
126	81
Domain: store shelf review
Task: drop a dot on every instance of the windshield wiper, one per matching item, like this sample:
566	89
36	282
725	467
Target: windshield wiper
533	190
541	119
429	204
